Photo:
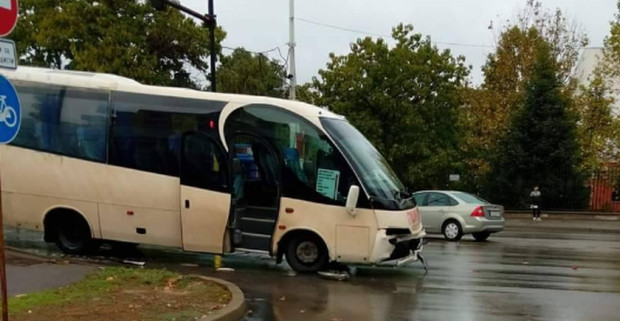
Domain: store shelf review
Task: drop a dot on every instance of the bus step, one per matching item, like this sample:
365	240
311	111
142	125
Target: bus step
261	212
257	225
255	241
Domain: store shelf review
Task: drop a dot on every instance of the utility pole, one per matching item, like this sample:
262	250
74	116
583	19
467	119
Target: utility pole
291	45
212	25
208	19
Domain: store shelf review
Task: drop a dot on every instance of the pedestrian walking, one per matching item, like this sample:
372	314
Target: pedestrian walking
535	197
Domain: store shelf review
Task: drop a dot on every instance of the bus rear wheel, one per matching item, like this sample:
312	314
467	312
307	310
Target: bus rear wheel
73	235
306	253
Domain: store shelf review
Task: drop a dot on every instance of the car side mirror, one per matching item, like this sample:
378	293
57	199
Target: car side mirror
354	193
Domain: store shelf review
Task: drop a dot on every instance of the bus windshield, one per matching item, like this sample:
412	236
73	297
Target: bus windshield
373	170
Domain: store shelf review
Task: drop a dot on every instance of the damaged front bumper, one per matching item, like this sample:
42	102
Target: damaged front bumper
400	250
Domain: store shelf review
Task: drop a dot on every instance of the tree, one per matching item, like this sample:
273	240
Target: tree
405	99
253	74
124	37
611	50
598	128
307	93
540	147
492	106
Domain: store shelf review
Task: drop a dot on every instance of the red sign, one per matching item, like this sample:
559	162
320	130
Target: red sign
8	16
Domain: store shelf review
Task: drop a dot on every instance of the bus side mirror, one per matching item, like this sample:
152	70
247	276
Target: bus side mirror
354	193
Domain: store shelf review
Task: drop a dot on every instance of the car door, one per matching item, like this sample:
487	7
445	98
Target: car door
435	208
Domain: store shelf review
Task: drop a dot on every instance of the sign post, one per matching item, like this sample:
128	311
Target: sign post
10	116
10	121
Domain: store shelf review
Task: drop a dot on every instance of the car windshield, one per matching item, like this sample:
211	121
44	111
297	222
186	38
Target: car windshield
373	170
469	198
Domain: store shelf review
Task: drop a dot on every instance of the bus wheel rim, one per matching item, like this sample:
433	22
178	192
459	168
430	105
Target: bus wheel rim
307	252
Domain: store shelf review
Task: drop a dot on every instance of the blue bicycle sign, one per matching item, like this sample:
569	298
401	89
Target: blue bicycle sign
10	111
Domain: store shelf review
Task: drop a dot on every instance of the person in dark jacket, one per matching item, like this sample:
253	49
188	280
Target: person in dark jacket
535	197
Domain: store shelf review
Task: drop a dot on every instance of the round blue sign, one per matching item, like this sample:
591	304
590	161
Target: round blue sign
10	111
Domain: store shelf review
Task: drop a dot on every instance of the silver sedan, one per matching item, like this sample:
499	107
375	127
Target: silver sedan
454	213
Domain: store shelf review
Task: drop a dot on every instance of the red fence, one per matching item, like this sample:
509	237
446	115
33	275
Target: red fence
605	190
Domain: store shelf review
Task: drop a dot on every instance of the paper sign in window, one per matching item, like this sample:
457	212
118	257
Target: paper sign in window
327	182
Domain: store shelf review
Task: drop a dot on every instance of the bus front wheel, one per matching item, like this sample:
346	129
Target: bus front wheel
306	253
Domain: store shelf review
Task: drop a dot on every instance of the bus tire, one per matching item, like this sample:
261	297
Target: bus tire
306	253
71	233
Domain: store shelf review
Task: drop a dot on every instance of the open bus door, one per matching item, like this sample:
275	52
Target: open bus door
205	193
256	192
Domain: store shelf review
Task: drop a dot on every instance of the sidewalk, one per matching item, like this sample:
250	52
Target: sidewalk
27	273
565	216
554	223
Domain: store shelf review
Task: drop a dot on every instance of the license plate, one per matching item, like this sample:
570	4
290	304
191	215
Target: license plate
496	213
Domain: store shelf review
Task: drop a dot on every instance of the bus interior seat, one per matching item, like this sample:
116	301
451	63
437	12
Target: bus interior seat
291	160
239	202
238	180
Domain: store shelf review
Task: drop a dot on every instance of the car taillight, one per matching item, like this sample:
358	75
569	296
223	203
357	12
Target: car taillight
478	212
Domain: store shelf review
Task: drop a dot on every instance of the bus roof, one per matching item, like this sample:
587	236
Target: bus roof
113	82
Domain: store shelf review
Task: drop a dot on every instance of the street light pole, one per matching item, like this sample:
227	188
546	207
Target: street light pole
291	44
208	19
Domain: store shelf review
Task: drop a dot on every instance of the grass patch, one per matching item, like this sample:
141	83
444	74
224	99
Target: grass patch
118	293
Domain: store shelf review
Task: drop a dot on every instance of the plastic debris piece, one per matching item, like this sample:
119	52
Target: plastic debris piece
138	263
224	269
335	275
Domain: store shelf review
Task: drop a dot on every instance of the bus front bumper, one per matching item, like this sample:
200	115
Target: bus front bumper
398	250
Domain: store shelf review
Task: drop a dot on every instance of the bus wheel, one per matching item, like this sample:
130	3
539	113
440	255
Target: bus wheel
306	253
73	235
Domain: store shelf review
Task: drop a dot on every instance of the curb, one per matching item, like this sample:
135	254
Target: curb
565	216
234	310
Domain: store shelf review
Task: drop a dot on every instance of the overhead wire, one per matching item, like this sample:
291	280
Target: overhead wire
327	25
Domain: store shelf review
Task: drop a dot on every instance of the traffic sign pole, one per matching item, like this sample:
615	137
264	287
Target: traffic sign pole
10	121
10	118
5	302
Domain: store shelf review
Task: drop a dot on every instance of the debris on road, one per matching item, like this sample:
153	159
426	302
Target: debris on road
224	269
335	275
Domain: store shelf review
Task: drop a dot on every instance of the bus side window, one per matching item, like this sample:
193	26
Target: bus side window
66	121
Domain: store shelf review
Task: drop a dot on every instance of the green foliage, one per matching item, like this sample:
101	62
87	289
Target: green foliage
252	74
612	49
490	108
308	94
123	37
540	147
405	99
598	129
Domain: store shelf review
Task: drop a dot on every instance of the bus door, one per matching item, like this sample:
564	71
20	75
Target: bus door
256	192
205	193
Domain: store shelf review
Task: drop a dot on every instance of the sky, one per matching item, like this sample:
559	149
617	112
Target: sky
322	26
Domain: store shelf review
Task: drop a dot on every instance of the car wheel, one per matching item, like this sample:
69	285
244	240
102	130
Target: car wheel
306	253
481	236
452	230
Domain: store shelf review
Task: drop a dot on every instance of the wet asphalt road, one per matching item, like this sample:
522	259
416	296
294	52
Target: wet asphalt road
554	270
